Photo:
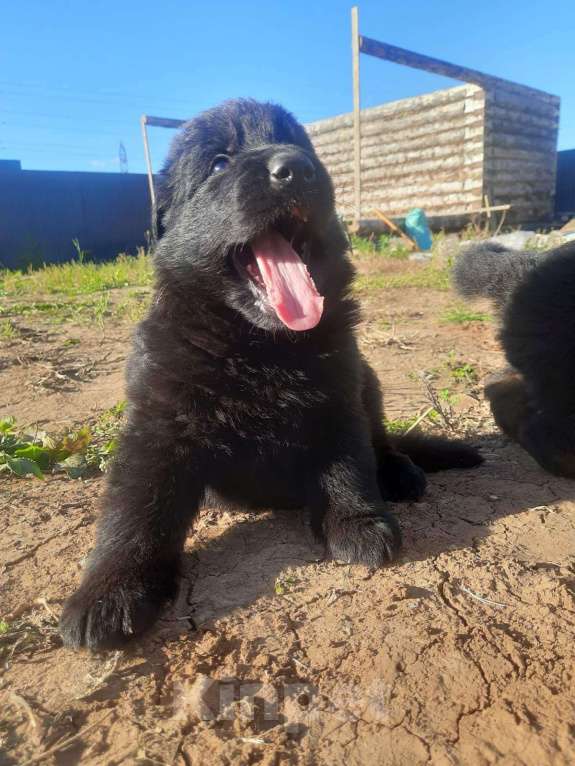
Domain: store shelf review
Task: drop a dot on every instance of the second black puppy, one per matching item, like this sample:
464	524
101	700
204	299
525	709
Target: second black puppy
534	402
245	383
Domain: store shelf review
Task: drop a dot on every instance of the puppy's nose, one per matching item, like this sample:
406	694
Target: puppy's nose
289	169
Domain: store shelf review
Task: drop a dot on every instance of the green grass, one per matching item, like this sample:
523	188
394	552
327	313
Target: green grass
429	277
363	245
92	311
79	277
80	291
76	310
461	314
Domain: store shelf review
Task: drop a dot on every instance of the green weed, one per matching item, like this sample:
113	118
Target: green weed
81	254
37	631
401	425
29	454
284	583
447	396
86	450
463	372
105	434
8	330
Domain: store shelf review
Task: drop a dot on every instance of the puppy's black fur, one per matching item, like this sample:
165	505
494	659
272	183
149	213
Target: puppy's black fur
225	403
534	403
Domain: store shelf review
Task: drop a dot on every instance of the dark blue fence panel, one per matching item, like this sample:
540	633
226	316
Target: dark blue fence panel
41	212
565	193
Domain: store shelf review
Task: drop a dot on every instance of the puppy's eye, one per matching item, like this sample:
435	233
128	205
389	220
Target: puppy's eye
220	164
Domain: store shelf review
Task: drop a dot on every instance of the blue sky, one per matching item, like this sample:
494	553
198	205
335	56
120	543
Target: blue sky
75	76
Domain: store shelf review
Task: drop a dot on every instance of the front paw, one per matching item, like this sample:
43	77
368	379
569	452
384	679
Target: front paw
399	479
549	440
112	608
373	540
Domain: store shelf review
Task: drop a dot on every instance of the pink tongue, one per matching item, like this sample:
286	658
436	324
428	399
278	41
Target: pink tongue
289	287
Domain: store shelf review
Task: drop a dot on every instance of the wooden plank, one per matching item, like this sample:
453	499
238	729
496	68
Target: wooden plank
399	173
429	64
393	227
428	119
523	143
512	116
338	159
422	130
356	111
163	122
543	103
402	108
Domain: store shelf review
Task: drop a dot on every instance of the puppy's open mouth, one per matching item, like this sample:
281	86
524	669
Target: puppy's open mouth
272	263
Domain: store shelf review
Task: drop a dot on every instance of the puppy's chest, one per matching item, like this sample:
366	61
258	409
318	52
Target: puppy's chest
263	402
271	391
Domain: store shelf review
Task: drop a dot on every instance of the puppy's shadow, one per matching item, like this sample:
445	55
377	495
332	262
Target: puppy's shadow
229	569
231	561
461	507
233	569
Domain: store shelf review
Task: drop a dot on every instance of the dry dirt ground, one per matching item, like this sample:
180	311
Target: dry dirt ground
460	653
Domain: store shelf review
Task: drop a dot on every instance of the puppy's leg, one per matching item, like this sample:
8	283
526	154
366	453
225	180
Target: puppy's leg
550	440
133	570
347	507
509	400
399	478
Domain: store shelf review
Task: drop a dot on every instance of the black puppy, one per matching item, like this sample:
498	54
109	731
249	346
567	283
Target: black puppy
245	383
534	402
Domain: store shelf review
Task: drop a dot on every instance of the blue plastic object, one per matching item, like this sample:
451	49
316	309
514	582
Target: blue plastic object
418	229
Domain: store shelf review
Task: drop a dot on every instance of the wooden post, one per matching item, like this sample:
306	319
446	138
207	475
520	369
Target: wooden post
355	46
148	156
159	122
